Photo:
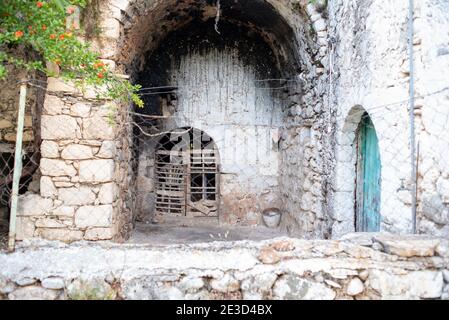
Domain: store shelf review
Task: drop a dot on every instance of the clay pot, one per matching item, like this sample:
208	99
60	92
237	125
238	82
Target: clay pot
271	217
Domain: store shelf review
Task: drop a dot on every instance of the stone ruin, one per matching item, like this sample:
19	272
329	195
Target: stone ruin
278	87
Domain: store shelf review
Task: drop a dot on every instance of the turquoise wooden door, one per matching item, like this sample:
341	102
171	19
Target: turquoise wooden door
368	178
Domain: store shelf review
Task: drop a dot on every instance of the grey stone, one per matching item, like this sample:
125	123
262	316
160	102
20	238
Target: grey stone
53	105
97	128
96	171
80	109
49	223
6	286
64	211
191	284
408	246
25	281
225	284
53	283
77	152
33	293
65	235
107	150
47	188
291	287
94	216
95	234
108	193
56	168
59	127
355	287
76	196
425	284
49	149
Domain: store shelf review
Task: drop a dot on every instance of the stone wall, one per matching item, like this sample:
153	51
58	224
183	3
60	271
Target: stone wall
367	266
432	113
78	187
306	149
371	73
305	156
9	103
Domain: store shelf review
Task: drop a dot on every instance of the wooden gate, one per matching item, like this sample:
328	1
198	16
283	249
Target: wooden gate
368	178
187	179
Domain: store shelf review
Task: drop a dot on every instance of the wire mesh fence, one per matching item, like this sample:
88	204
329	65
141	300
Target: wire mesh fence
226	167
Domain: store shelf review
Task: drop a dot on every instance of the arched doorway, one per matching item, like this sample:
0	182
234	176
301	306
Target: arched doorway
368	178
187	175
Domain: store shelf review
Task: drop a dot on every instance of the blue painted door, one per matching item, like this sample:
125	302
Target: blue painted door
368	178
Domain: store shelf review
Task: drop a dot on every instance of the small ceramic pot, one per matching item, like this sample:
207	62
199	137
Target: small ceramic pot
271	217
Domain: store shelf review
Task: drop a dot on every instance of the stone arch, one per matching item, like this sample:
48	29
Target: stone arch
144	25
344	198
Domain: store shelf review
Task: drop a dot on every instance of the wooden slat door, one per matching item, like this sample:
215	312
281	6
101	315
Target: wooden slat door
368	178
171	183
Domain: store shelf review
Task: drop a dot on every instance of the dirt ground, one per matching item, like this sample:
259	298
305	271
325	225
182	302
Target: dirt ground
171	234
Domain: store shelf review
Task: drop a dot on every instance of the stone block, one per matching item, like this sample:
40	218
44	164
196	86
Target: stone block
65	235
47	188
95	234
408	246
355	287
425	284
96	171
107	150
56	168
290	287
94	216
59	127
110	28
108	193
49	149
64	211
55	283
5	124
52	105
80	109
77	152
225	284
76	196
49	223
33	205
98	127
59	85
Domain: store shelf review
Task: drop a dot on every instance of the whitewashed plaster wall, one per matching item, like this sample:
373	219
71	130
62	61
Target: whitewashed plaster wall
370	60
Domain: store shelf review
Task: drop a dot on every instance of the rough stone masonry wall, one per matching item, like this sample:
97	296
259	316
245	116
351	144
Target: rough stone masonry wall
371	68
306	167
368	266
371	74
78	192
9	102
305	171
432	113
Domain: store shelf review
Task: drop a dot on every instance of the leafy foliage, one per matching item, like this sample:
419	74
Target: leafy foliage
47	27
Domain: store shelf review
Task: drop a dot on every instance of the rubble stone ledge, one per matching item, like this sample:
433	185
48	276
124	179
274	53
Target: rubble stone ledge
366	266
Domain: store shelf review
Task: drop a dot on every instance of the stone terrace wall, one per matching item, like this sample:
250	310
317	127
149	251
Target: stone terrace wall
78	191
367	266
